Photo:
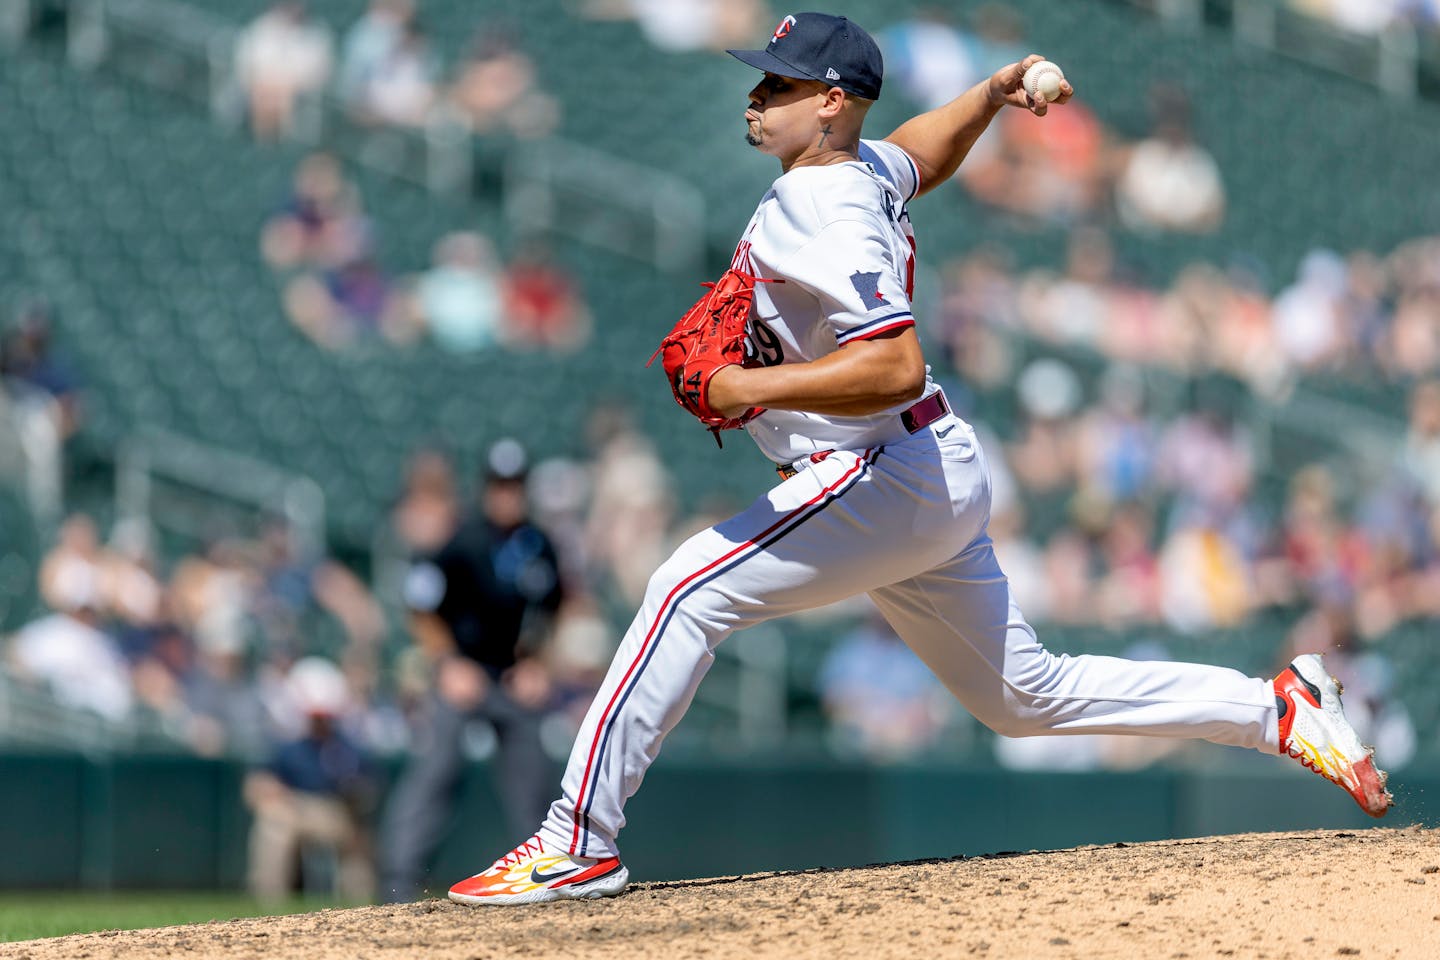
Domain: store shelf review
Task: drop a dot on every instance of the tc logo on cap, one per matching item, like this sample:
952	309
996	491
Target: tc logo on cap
818	46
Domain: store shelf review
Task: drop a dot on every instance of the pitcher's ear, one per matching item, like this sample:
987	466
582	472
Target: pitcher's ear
834	102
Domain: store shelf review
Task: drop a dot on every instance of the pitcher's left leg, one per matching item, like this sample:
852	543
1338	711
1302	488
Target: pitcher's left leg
962	620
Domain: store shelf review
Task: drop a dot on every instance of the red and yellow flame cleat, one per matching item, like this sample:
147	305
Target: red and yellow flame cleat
531	874
1314	731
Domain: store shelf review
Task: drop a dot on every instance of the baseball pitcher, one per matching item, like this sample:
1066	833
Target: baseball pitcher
808	343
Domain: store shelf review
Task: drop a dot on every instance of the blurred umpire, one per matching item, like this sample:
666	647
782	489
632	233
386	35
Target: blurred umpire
478	609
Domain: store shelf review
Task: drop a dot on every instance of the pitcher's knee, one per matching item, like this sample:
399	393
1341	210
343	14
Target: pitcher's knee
1021	709
1028	700
680	564
669	579
1011	718
676	593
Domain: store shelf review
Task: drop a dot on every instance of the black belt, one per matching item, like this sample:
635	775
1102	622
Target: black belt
917	417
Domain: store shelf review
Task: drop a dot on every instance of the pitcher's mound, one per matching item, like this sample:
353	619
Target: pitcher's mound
1373	893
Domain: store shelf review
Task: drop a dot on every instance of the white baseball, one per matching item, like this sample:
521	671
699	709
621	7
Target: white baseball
1043	80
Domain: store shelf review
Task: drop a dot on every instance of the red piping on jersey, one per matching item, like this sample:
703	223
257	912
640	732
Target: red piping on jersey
871	334
860	462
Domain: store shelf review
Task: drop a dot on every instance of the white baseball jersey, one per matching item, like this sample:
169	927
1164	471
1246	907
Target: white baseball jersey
896	513
839	238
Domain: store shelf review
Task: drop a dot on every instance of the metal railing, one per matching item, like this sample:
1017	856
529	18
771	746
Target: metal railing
612	204
1361	436
748	686
200	481
31	717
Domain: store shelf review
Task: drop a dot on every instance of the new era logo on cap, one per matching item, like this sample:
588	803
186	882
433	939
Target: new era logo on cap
818	46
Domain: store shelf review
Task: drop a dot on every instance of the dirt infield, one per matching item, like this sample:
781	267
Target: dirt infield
1373	893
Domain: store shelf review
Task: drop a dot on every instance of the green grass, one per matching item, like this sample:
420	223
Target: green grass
27	916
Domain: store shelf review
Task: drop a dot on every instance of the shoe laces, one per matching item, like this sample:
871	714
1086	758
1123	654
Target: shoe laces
1335	772
1298	753
529	848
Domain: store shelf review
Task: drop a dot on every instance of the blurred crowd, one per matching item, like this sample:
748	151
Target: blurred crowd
201	646
1363	316
322	247
1067	167
387	74
1131	500
1064	169
677	26
203	640
384	75
1139	494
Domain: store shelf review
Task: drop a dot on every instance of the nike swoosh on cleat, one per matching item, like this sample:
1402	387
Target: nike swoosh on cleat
942	434
537	877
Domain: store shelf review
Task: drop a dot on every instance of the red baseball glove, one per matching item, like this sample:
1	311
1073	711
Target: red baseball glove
709	336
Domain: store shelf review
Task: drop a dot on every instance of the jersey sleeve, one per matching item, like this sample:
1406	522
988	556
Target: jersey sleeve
894	164
848	267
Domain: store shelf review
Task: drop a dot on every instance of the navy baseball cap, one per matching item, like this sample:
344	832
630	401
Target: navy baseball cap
818	46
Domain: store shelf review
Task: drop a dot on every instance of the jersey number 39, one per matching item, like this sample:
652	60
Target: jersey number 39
763	346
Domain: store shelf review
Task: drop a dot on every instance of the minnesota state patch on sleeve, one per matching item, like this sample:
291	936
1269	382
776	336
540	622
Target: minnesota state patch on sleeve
868	286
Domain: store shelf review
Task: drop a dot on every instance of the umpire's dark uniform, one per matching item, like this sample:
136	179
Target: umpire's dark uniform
493	587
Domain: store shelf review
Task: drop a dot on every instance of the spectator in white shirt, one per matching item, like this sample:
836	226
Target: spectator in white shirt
67	650
281	56
1168	181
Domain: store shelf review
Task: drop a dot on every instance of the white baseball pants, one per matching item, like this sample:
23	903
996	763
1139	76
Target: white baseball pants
905	523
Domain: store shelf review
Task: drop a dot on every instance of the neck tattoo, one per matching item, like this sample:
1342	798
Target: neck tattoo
825	134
